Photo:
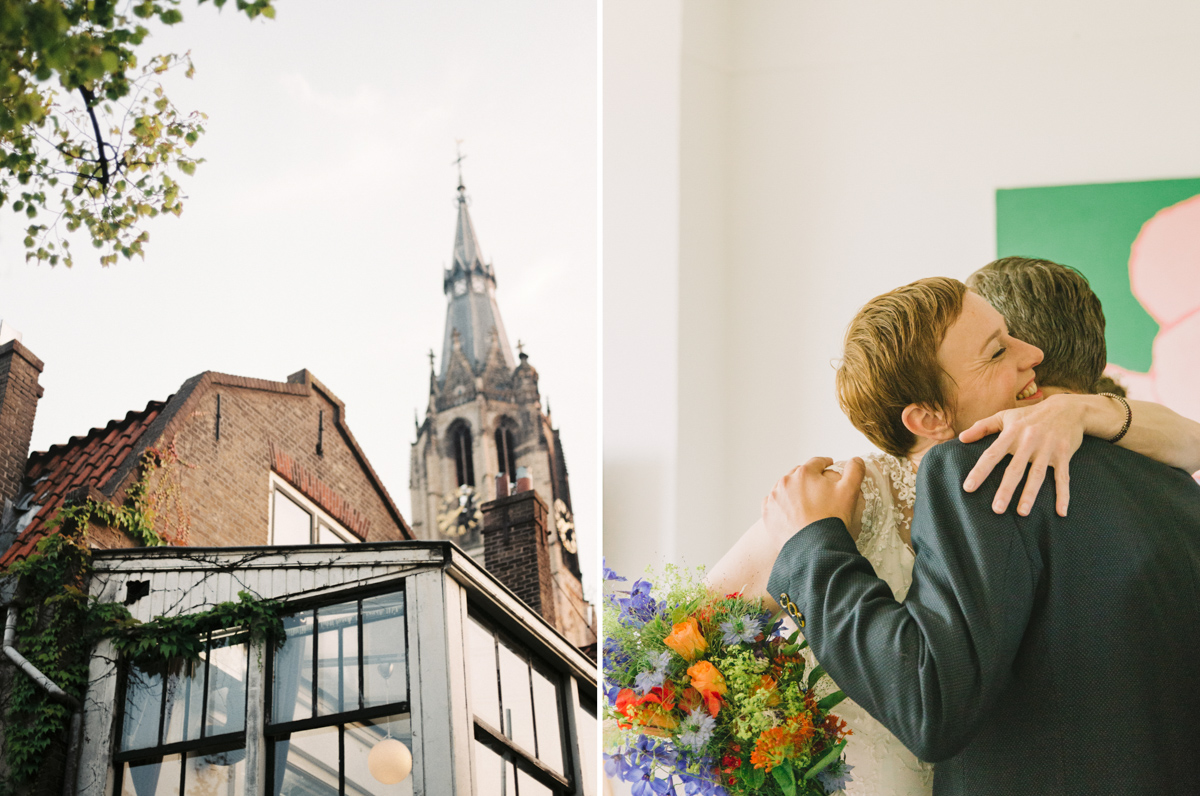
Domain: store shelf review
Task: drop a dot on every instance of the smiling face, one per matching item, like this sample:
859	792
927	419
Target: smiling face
988	369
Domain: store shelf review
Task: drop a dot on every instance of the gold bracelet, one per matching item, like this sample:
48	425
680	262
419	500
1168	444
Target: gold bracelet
1128	416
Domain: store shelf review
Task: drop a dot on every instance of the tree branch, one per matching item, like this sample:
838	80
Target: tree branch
88	101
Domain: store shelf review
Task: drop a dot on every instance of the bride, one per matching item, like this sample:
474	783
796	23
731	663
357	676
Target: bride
984	392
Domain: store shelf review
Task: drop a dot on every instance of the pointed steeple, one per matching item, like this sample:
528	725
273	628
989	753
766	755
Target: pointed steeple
470	287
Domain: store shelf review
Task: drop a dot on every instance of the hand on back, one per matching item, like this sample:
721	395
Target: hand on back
810	493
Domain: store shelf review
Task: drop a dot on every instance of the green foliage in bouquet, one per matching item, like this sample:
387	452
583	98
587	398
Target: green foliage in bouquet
706	694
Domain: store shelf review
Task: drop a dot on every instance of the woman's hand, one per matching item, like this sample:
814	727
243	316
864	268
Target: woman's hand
1040	436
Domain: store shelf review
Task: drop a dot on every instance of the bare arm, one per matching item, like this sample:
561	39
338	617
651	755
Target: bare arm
747	566
1048	434
1155	431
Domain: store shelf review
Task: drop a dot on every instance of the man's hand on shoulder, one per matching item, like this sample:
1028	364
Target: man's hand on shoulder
810	493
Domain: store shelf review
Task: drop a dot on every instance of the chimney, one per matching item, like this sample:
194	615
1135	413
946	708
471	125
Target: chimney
19	394
515	551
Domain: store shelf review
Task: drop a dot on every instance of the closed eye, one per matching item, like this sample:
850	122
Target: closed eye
999	352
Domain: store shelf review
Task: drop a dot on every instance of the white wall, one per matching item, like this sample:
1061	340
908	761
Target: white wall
640	278
829	152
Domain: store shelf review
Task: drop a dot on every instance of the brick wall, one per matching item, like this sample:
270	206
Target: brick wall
225	482
514	549
19	394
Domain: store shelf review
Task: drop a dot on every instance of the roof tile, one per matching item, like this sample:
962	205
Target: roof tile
90	460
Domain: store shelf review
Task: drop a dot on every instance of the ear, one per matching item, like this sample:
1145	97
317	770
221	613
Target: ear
928	423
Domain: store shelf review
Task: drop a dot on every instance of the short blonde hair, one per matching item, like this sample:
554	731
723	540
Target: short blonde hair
891	359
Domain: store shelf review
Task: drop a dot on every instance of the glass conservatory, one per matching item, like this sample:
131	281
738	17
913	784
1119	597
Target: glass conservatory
405	668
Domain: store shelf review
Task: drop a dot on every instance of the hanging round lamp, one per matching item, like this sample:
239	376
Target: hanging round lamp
390	761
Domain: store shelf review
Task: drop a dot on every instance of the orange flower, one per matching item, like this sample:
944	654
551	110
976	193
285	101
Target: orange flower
690	699
782	743
652	710
656	721
686	639
709	681
767	683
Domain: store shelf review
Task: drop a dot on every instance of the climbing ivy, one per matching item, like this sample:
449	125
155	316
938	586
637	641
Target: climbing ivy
58	624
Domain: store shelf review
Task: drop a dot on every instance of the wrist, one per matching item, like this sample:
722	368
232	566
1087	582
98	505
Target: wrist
1103	417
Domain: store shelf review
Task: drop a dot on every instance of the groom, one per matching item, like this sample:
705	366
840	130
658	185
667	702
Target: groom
1033	654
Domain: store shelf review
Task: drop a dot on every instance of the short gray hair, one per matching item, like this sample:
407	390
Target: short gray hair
1053	307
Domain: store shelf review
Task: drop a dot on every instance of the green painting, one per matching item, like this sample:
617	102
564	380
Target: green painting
1093	228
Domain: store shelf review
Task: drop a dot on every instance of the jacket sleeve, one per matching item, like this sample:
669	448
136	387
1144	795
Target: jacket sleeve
930	668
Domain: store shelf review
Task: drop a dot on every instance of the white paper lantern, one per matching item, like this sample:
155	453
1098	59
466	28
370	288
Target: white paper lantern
390	761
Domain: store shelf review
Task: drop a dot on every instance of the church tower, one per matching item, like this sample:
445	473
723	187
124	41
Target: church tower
485	419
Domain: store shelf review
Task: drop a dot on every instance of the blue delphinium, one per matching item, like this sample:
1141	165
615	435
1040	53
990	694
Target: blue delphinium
740	631
615	765
697	730
609	574
639	607
835	776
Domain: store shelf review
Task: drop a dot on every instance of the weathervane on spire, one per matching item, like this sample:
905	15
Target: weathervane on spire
458	161
431	359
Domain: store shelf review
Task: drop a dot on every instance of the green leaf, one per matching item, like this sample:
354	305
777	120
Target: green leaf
815	675
831	701
753	777
826	759
786	778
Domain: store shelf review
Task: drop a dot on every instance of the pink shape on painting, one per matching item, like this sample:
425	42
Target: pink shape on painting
1164	272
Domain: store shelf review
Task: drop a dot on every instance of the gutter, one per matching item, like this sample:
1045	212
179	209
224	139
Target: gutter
48	685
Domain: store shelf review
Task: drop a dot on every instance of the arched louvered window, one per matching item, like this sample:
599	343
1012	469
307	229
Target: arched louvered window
506	454
464	467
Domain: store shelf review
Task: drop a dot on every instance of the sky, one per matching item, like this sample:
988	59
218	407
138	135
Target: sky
315	233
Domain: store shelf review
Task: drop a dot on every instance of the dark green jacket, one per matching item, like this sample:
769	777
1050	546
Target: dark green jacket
1032	655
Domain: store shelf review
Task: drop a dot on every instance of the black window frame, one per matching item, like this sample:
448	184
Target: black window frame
204	745
274	732
522	758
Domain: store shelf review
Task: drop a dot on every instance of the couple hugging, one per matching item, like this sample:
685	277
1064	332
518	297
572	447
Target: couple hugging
1048	648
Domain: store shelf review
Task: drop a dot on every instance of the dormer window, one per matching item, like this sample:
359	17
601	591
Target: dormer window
297	520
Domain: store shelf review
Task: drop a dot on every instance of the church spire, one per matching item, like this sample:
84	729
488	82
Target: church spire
470	287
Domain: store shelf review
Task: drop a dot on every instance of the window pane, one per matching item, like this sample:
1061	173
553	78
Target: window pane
307	763
292	690
337	658
361	738
152	779
515	698
546	712
226	686
481	664
216	774
293	525
185	692
528	786
585	725
327	535
385	660
494	776
143	705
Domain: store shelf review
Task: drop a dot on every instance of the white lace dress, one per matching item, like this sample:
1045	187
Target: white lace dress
882	765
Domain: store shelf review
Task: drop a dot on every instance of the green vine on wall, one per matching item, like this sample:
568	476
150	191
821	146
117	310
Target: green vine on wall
58	624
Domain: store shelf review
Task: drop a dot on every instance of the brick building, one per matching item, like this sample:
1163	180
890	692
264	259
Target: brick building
227	460
259	486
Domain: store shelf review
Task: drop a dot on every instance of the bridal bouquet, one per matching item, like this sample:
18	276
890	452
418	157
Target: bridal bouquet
705	693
